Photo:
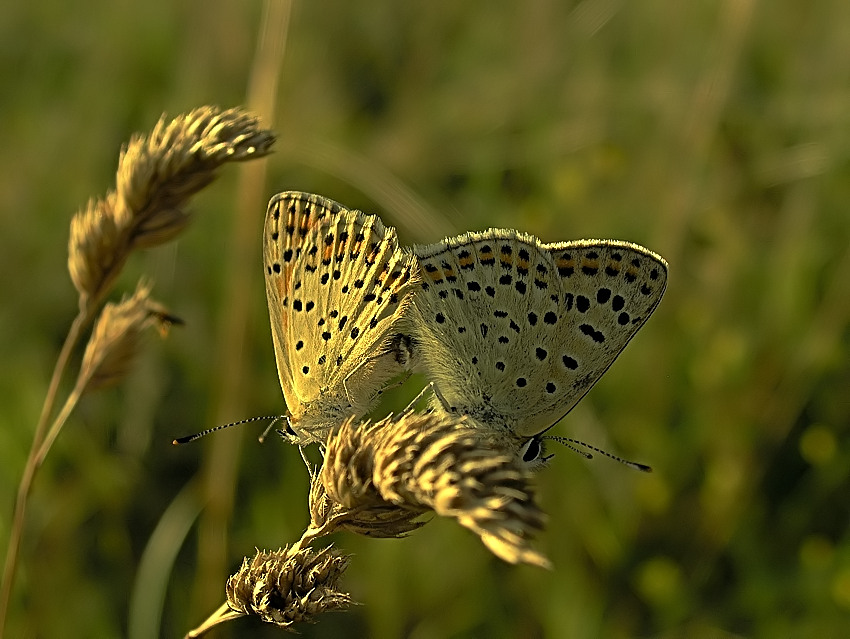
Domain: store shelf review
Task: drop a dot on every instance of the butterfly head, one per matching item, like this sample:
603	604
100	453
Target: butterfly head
292	434
533	452
288	433
301	430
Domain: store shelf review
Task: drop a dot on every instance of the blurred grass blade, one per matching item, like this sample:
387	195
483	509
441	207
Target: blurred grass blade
147	598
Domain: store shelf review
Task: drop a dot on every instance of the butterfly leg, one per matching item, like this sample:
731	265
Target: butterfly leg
309	466
415	400
446	406
394	384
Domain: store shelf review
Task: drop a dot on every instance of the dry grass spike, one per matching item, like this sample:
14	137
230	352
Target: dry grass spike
420	462
283	587
157	175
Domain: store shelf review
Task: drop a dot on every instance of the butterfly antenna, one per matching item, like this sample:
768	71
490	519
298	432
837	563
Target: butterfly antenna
262	437
204	433
568	442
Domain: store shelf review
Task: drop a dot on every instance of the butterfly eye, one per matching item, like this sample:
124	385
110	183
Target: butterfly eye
531	450
533	453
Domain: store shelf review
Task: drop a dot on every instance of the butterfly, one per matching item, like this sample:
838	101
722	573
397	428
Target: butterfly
513	332
337	285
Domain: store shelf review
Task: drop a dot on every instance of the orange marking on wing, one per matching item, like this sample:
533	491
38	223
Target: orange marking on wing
565	263
305	225
465	261
589	263
280	283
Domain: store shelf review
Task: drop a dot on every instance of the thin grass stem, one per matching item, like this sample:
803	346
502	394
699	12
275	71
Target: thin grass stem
32	463
222	614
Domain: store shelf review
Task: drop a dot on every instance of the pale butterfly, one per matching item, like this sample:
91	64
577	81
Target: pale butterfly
513	332
337	285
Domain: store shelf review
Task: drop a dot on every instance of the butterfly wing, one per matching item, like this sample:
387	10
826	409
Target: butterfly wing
337	285
514	332
607	290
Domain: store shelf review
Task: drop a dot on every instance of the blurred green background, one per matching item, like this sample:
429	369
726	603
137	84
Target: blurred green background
715	133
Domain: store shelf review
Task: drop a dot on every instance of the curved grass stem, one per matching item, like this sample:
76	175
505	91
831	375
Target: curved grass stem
36	454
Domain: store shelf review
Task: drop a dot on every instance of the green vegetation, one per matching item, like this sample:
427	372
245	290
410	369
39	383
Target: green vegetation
717	134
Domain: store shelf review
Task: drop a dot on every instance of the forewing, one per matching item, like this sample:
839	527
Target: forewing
343	284
607	289
291	217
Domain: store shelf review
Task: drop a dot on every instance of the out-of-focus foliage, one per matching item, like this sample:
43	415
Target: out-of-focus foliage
717	134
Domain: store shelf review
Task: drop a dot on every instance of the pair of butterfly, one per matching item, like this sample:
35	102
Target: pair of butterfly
511	332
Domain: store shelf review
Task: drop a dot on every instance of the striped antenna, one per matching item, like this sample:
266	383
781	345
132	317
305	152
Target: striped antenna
203	433
572	443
